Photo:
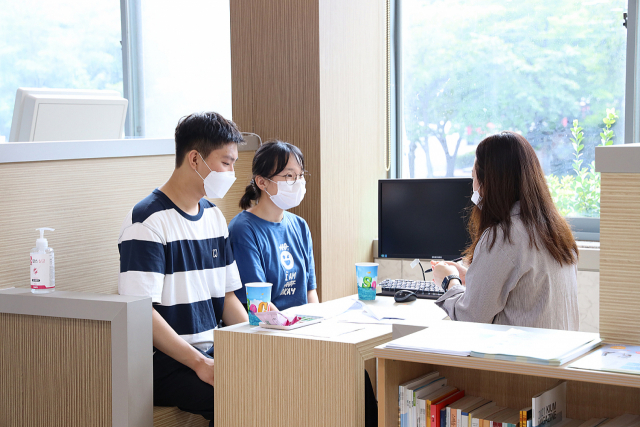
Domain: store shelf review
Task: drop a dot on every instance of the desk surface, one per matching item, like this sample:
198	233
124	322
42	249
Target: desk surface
419	312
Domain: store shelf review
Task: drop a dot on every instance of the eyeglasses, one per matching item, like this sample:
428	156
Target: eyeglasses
291	178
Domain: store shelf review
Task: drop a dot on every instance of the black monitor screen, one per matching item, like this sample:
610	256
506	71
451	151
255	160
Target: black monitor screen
423	218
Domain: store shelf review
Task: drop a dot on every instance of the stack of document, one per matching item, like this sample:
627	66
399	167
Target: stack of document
520	344
620	358
539	346
444	337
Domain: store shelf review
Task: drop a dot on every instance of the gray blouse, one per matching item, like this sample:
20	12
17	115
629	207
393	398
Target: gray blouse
515	284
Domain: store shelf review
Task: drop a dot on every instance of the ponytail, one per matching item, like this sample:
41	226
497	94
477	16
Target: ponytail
251	193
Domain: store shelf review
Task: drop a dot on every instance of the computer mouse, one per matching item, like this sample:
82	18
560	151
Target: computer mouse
404	295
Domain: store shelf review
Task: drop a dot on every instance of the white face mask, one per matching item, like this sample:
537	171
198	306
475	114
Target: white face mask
216	184
476	198
289	196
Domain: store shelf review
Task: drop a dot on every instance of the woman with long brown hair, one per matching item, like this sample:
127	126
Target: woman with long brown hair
522	259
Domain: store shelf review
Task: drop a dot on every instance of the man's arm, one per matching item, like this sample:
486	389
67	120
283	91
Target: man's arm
169	342
233	311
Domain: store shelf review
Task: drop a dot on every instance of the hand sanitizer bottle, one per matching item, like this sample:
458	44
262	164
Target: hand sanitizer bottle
42	267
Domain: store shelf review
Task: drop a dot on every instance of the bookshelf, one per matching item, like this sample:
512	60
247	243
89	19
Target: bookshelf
589	393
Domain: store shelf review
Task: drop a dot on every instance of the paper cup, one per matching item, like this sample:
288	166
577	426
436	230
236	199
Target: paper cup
367	276
258	299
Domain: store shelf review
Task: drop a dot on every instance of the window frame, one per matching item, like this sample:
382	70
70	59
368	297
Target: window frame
583	228
132	68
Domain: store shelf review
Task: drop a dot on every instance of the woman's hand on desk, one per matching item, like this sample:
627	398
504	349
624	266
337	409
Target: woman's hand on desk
442	269
272	307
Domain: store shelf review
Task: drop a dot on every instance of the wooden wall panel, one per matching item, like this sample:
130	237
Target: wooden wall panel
353	125
312	73
276	92
59	374
619	260
86	202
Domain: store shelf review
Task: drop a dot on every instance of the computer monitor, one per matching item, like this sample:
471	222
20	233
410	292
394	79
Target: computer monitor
423	218
67	114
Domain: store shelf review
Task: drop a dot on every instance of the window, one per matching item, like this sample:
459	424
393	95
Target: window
66	44
466	69
168	59
186	61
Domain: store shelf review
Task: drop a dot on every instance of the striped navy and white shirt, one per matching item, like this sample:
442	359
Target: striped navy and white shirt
183	262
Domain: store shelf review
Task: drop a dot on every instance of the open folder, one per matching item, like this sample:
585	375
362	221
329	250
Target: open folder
502	342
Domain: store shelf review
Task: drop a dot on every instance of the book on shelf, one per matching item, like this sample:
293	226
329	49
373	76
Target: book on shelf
618	358
403	395
486	421
525	417
550	407
438	409
626	420
453	410
423	389
481	413
512	420
502	418
502	342
593	422
424	401
489	420
568	422
463	413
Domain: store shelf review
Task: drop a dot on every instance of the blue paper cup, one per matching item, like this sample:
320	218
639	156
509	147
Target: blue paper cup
367	275
258	299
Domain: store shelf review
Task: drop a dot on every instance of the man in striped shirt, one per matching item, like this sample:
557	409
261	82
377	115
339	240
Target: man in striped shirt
174	247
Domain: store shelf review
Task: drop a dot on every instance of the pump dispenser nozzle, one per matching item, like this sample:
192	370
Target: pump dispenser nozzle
42	243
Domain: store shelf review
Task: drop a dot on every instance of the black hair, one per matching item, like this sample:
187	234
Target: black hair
270	159
204	132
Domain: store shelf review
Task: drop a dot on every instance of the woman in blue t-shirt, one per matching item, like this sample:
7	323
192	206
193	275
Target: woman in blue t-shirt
270	244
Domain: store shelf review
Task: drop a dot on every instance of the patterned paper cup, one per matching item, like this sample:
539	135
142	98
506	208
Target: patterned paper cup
367	275
258	299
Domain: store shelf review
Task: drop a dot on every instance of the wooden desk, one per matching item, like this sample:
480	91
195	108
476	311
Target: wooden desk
279	379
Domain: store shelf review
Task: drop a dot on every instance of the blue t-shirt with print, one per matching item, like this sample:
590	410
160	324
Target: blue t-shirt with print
280	253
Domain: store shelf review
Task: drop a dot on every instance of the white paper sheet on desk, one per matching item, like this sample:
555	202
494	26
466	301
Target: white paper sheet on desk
327	310
348	310
359	316
361	313
326	329
383	313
